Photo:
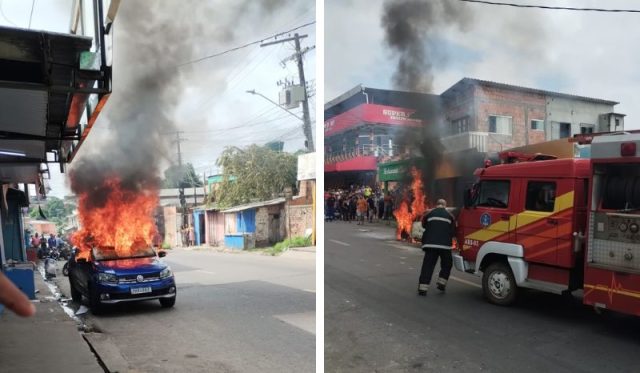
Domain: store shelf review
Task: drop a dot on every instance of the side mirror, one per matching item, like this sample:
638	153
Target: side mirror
162	253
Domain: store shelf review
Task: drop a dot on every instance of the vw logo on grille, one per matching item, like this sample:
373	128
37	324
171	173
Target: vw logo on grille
139	278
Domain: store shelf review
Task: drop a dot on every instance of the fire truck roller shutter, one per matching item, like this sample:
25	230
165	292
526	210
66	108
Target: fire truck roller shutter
615	193
635	193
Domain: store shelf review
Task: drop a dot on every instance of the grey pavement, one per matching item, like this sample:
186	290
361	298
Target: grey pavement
49	341
374	322
234	313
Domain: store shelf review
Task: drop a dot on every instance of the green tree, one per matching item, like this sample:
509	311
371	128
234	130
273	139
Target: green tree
181	176
54	210
258	172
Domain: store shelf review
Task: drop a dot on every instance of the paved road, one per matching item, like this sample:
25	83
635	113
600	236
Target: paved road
240	312
375	322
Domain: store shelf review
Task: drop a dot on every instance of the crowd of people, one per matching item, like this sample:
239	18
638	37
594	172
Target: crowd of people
37	241
360	203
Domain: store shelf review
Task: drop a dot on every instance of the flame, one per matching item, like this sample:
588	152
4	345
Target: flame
405	216
125	218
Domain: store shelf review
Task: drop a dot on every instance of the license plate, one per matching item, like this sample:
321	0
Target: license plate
146	289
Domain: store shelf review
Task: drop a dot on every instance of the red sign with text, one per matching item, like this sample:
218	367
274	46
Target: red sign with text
371	114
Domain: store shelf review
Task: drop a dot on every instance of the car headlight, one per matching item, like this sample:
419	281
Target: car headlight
107	277
166	273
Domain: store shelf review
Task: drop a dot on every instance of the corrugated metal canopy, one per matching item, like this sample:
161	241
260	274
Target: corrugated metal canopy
255	205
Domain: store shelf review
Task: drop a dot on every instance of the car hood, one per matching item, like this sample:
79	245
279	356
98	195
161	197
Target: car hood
131	266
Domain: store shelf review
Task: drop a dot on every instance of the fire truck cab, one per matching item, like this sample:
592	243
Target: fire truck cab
557	225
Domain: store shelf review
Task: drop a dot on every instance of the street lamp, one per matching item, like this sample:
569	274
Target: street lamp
306	129
253	92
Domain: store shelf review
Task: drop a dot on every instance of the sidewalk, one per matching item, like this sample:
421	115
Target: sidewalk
222	249
49	341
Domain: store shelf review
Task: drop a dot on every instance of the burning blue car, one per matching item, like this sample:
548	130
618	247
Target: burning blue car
110	278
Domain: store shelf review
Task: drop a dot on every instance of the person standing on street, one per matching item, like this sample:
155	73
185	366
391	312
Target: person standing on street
437	240
362	208
52	241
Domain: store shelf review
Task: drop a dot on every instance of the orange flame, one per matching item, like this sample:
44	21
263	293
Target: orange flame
126	217
405	216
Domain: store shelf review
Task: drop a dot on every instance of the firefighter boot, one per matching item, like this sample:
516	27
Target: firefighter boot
422	289
441	284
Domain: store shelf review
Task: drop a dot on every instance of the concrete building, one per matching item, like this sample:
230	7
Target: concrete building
474	118
362	128
491	117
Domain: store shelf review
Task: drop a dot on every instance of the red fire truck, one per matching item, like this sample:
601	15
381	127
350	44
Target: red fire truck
558	225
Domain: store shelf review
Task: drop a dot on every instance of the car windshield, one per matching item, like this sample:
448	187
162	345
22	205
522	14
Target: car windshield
138	250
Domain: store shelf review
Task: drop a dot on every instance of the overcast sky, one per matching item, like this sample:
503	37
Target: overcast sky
583	53
215	111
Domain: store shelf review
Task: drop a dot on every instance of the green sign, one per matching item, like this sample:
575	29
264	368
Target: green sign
393	171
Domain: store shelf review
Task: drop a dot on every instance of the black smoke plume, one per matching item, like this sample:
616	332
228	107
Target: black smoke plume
132	139
409	27
410	34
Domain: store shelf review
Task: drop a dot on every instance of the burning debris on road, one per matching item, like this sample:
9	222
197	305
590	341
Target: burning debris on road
416	199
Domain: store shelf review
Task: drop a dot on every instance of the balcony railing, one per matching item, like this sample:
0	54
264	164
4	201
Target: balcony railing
382	152
466	140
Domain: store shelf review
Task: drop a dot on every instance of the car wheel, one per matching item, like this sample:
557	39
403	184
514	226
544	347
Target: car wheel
94	302
65	269
167	302
499	284
76	295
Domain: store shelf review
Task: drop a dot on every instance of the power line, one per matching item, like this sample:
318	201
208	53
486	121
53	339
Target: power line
552	7
245	45
33	3
4	16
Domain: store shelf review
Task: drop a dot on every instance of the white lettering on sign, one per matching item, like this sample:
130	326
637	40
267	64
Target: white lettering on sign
400	115
329	124
470	242
395	113
390	171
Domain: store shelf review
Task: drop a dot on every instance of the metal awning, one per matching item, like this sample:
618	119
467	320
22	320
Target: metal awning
46	82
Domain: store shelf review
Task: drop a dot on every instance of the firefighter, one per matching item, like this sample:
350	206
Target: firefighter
437	239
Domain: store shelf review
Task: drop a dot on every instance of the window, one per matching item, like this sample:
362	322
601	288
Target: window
459	126
493	193
617	123
500	124
537	125
565	130
586	128
541	196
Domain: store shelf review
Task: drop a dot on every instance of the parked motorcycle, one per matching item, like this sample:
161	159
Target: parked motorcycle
54	253
65	250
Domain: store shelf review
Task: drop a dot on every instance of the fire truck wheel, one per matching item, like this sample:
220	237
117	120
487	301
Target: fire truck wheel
498	284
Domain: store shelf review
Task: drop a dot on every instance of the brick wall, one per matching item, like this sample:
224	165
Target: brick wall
300	219
522	107
262	226
459	105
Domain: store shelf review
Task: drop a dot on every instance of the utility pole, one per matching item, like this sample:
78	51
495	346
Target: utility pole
178	139
305	103
183	200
